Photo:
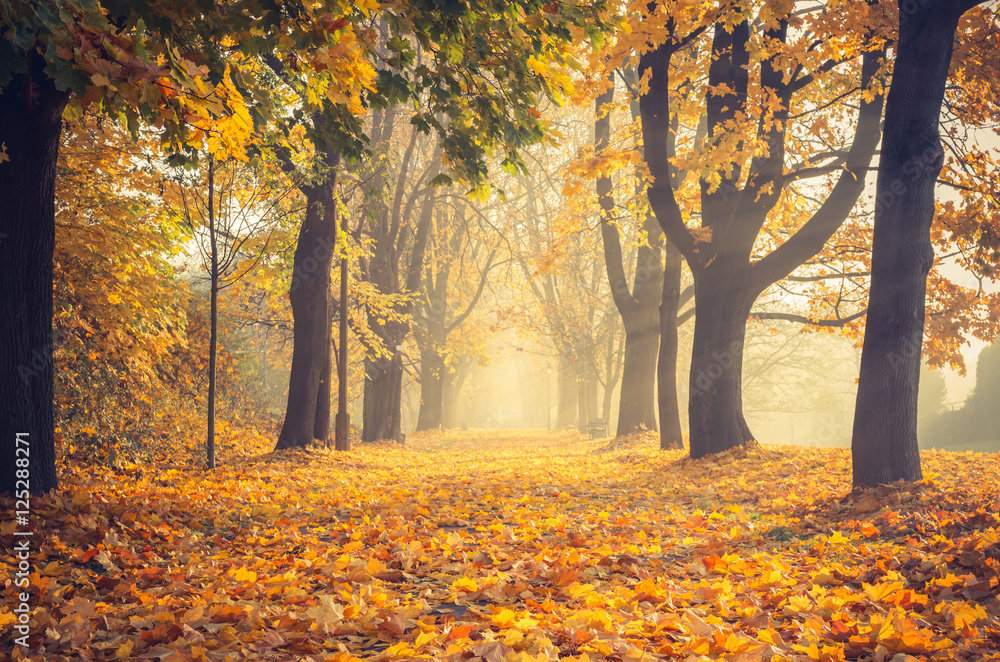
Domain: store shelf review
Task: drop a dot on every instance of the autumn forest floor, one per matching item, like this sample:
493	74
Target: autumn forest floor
510	545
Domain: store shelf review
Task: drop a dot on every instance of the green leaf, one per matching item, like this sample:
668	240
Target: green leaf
441	180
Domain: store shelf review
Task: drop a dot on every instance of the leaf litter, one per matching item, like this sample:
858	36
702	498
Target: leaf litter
514	547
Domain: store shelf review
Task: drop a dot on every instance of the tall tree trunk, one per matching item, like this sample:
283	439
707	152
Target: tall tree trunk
638	307
884	445
453	382
715	407
311	334
432	361
213	341
432	382
383	398
342	423
666	367
566	414
324	390
392	234
636	407
583	413
613	368
30	124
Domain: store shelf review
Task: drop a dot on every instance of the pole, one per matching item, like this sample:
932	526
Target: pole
213	342
343	421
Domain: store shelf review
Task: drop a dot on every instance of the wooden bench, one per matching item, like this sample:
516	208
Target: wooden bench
598	428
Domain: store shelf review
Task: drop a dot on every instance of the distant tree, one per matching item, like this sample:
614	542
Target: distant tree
649	307
454	279
933	392
983	404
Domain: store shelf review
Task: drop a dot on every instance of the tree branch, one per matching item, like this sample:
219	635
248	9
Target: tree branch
802	319
811	237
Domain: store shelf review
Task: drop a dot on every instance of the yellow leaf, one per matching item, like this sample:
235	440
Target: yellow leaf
398	650
125	650
53	569
505	618
466	584
881	590
423	638
245	575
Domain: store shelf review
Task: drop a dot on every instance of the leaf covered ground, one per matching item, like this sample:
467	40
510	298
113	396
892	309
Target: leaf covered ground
511	546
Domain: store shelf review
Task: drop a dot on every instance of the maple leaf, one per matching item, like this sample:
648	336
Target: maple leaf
327	614
492	651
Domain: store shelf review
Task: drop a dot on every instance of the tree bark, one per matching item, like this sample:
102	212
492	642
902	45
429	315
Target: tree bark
453	382
30	125
324	391
432	373
311	332
383	398
715	405
432	359
671	437
637	306
566	414
884	445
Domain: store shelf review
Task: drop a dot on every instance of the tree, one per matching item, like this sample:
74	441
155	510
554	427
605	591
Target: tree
884	445
743	174
478	96
307	416
453	283
648	309
638	305
569	302
393	234
983	414
125	61
121	318
231	209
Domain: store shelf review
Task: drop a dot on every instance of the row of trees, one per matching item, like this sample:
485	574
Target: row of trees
755	101
732	138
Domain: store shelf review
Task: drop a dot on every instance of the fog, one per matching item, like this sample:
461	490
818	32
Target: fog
799	387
